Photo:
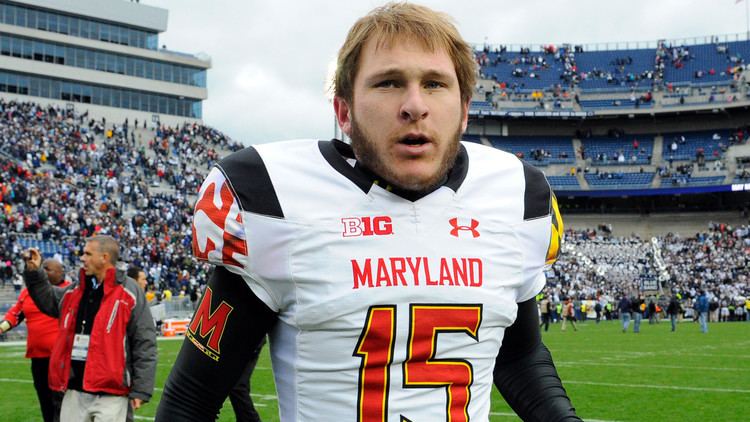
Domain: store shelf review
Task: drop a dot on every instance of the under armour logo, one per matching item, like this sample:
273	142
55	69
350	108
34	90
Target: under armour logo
472	227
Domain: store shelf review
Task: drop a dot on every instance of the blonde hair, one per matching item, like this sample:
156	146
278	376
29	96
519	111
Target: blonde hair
394	21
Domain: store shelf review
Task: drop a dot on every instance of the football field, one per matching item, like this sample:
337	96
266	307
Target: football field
609	375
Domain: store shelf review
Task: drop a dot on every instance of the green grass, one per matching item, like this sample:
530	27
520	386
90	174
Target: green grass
610	376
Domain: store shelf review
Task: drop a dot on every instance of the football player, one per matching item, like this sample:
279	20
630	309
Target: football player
396	276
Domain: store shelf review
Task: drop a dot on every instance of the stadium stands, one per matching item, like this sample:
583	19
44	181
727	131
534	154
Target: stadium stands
65	177
618	180
623	151
690	145
705	63
539	151
563	182
710	71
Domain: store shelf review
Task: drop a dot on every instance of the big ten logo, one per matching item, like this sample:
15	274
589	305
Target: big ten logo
367	226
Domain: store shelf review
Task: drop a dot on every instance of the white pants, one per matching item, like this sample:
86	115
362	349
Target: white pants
78	406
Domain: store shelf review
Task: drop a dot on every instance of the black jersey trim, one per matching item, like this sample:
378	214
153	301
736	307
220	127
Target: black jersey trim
337	152
536	197
251	183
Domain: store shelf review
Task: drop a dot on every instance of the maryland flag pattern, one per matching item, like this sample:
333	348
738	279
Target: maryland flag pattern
556	234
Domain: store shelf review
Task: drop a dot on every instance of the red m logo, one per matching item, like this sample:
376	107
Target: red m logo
209	326
456	228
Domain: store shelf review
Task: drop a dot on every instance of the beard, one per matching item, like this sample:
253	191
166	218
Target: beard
366	152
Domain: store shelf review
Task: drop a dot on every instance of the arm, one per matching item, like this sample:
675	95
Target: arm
46	296
15	315
142	339
198	385
525	374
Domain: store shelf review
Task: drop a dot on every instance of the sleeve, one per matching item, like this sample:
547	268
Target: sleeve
142	337
15	315
46	296
540	232
525	374
238	192
228	326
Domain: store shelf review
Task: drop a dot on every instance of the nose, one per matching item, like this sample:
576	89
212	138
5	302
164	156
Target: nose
414	107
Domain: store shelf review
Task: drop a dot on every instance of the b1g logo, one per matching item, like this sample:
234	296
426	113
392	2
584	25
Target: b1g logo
367	226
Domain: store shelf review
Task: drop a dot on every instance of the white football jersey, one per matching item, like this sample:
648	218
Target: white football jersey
390	309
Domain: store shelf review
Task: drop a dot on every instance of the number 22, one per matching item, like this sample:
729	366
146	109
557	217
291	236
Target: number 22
421	369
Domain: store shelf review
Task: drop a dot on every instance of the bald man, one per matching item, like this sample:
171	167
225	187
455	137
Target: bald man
42	333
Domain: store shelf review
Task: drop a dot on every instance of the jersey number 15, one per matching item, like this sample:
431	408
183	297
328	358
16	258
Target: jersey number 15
420	369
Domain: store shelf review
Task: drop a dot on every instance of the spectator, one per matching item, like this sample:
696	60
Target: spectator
137	274
625	307
92	374
42	333
701	306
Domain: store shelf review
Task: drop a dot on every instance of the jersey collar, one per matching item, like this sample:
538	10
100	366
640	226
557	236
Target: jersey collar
337	153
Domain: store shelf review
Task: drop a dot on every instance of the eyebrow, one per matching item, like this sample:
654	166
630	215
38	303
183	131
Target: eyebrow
398	73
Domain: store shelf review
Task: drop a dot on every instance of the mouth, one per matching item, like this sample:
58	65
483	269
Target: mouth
414	140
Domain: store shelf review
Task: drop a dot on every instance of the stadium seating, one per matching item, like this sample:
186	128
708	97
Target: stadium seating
47	248
703	58
537	150
614	70
695	142
563	182
503	65
605	151
614	103
481	105
619	180
694	181
625	75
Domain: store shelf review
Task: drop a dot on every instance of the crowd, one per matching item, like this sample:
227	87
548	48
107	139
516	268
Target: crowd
65	177
600	269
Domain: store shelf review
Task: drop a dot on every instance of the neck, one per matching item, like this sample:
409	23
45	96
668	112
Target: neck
101	274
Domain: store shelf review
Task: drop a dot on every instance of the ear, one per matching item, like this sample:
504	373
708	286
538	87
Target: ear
465	116
343	114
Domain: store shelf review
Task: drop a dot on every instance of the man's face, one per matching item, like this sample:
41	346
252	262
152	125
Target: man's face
54	270
142	279
407	117
93	259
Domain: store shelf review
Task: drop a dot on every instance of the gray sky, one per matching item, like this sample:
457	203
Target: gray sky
271	58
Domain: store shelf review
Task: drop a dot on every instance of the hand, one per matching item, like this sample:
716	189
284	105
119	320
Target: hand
33	259
136	403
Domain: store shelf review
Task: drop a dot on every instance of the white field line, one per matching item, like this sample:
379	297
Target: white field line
637	365
664	353
660	387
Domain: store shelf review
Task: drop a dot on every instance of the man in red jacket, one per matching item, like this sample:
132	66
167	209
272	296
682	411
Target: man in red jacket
42	333
106	351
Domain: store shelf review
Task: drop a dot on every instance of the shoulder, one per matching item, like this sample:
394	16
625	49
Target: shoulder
494	167
245	177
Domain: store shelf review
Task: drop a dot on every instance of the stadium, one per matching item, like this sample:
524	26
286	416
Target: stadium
645	145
